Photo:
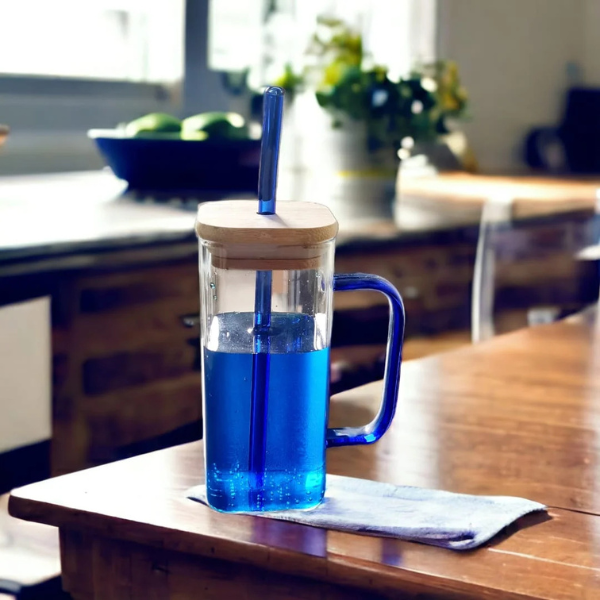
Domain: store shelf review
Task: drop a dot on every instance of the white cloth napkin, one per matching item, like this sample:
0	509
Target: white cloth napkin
455	521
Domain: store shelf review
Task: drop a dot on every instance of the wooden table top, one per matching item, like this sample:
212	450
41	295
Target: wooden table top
519	415
529	196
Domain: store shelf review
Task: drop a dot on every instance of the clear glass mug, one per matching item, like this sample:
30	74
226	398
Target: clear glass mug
271	455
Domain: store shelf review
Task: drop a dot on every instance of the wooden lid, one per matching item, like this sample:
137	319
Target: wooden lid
237	222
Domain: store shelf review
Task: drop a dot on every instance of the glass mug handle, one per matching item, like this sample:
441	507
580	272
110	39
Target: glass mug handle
370	433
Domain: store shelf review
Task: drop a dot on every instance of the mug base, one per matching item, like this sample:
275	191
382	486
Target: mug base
285	492
267	508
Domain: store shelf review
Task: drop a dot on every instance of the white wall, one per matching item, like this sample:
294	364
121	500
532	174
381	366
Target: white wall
25	392
513	56
591	41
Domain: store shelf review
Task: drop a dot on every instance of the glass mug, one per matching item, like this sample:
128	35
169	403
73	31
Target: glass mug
270	454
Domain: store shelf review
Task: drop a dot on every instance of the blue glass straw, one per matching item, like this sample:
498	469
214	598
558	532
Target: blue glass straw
269	150
261	359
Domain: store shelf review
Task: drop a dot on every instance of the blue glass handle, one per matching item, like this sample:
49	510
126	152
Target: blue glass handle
368	434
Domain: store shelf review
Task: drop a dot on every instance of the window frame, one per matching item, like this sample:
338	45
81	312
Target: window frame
33	106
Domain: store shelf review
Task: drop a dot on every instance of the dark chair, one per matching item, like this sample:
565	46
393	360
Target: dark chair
574	145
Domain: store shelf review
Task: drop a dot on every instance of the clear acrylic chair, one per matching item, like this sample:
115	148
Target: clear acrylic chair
495	246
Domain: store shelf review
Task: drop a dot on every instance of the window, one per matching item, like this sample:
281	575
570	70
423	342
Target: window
67	66
395	33
243	33
122	40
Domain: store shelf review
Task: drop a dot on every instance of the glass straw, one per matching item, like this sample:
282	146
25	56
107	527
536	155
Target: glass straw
267	186
269	150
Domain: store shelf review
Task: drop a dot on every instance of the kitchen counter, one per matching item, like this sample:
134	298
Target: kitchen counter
121	273
48	222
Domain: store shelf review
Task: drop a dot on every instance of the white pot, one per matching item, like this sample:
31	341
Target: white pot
333	166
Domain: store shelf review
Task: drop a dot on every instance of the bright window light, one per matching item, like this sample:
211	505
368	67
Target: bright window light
123	40
264	36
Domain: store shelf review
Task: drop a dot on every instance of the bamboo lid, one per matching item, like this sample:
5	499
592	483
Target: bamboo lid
237	222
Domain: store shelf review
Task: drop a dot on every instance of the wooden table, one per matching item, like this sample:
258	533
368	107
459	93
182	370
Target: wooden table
519	415
464	194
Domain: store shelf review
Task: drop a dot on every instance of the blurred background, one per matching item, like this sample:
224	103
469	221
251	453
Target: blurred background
456	141
71	66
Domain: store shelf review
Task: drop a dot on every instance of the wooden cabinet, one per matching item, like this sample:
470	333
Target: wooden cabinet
125	367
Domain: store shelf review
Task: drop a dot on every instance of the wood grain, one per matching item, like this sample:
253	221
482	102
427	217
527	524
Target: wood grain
138	572
237	222
514	416
554	559
123	370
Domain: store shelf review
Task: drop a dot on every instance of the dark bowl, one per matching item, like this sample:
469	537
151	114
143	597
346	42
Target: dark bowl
176	165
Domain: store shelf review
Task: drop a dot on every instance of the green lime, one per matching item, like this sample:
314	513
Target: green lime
215	125
153	125
193	135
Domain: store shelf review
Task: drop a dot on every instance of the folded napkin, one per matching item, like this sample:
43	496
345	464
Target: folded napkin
455	521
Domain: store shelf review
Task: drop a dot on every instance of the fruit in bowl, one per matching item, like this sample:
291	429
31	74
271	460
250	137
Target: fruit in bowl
152	125
214	125
209	151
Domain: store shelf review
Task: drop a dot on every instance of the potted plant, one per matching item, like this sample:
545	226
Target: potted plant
353	120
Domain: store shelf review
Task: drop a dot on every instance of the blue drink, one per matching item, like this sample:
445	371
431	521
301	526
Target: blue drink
296	420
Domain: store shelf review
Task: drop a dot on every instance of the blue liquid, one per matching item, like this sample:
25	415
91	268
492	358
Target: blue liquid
298	397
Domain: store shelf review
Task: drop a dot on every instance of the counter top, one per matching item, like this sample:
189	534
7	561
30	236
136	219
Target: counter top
55	221
46	215
48	222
